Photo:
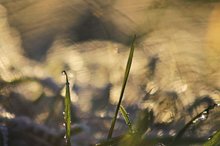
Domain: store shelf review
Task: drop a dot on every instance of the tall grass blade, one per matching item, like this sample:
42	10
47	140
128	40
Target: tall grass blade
67	112
123	87
214	141
126	118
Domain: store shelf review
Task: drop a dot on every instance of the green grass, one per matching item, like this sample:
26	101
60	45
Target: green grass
144	121
198	118
125	115
214	140
128	67
67	111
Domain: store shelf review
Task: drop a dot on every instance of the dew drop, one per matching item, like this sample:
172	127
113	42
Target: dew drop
204	115
205	112
64	113
64	137
212	135
195	121
64	124
63	72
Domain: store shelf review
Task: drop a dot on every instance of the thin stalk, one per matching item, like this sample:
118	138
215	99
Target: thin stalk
123	88
67	112
125	115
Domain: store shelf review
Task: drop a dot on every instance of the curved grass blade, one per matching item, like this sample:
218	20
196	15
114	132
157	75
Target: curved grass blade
128	67
203	115
214	141
126	118
67	112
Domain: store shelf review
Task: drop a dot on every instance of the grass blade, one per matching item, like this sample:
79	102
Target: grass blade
193	121
126	118
214	141
67	112
123	88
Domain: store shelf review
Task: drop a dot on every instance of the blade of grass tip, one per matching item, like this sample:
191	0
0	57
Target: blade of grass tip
67	112
123	88
126	118
204	115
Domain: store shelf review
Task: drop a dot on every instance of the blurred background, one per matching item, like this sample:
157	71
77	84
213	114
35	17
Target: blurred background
175	70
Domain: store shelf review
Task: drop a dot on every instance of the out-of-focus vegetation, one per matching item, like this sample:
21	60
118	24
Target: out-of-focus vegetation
175	71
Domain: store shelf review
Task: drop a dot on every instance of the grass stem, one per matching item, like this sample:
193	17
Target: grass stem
123	88
67	112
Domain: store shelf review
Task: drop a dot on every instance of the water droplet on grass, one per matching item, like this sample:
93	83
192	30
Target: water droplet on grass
203	117
212	135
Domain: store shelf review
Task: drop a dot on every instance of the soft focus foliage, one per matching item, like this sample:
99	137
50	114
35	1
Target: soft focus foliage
175	71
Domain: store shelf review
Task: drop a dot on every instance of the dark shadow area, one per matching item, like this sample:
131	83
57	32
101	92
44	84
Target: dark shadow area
36	46
91	27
